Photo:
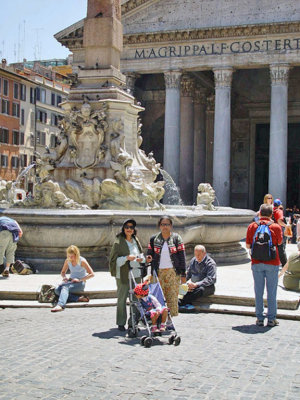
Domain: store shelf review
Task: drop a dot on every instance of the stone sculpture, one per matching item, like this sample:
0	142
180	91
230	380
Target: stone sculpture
206	196
90	152
48	195
129	188
9	194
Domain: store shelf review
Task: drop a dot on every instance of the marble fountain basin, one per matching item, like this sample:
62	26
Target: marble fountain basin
48	232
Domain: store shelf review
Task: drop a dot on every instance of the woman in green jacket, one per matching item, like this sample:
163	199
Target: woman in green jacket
126	251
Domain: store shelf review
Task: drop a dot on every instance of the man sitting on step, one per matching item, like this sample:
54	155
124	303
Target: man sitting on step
201	277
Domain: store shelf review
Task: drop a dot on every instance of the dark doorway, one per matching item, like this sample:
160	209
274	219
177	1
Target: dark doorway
154	140
293	167
262	140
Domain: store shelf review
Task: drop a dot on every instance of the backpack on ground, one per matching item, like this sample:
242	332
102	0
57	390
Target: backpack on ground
262	248
47	294
21	268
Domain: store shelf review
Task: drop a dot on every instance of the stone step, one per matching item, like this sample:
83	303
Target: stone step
35	304
247	301
111	294
30	295
244	310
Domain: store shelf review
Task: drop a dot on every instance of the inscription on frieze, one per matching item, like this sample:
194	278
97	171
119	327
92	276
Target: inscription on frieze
217	48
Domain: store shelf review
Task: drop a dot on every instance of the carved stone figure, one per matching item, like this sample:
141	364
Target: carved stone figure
49	195
87	129
129	188
44	165
7	194
85	192
206	196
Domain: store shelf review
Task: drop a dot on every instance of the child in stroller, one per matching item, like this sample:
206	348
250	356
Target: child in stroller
152	308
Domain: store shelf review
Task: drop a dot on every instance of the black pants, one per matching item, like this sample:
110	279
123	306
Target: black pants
198	292
282	254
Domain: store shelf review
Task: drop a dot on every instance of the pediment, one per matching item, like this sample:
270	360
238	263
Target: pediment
179	15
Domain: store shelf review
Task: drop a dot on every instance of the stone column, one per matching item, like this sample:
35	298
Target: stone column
199	137
278	131
221	163
172	125
210	116
186	178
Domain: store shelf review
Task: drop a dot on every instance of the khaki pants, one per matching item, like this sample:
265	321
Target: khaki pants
7	247
170	282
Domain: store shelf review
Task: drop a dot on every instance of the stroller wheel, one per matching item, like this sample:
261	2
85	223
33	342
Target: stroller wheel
171	339
148	342
132	333
177	341
143	338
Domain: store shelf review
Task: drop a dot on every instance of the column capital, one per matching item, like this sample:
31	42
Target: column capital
187	86
279	74
200	96
172	79
223	76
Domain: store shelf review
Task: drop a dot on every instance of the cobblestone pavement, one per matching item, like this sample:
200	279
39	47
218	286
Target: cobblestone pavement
78	354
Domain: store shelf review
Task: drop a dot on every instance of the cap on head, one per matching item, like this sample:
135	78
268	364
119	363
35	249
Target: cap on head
277	202
130	221
142	289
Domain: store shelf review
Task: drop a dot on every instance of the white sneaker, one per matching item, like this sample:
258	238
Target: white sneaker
57	309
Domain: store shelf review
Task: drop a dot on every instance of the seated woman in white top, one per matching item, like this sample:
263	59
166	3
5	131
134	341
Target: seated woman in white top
80	272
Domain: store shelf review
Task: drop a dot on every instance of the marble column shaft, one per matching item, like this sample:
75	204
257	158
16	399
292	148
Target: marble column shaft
222	135
186	178
278	131
199	137
172	125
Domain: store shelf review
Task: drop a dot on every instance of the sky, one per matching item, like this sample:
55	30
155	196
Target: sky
27	27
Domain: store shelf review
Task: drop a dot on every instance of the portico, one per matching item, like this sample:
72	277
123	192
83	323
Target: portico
210	66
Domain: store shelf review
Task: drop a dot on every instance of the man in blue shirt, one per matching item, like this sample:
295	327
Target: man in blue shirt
201	277
10	232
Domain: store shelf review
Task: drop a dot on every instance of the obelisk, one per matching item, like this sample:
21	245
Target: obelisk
98	82
103	39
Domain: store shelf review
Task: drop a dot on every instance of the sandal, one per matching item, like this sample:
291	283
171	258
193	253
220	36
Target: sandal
5	273
83	299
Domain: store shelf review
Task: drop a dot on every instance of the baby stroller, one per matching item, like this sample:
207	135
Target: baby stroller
139	319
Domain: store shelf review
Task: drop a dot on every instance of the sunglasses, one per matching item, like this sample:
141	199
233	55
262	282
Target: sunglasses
129	227
165	224
270	198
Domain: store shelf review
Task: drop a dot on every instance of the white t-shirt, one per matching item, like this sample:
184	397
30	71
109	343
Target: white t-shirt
165	259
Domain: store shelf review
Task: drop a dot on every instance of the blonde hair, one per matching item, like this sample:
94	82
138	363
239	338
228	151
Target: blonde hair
266	197
74	250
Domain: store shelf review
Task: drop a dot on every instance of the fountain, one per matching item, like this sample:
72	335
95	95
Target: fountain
97	175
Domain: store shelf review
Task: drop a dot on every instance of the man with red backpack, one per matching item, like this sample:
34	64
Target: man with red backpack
263	238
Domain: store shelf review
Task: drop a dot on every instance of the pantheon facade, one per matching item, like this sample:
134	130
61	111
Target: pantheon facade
220	83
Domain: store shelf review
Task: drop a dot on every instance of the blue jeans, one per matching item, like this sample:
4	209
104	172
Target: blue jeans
65	292
265	273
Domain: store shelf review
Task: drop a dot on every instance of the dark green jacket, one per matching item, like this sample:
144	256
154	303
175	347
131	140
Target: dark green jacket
120	249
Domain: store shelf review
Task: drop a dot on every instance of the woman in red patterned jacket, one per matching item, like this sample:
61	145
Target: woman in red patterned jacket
166	253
